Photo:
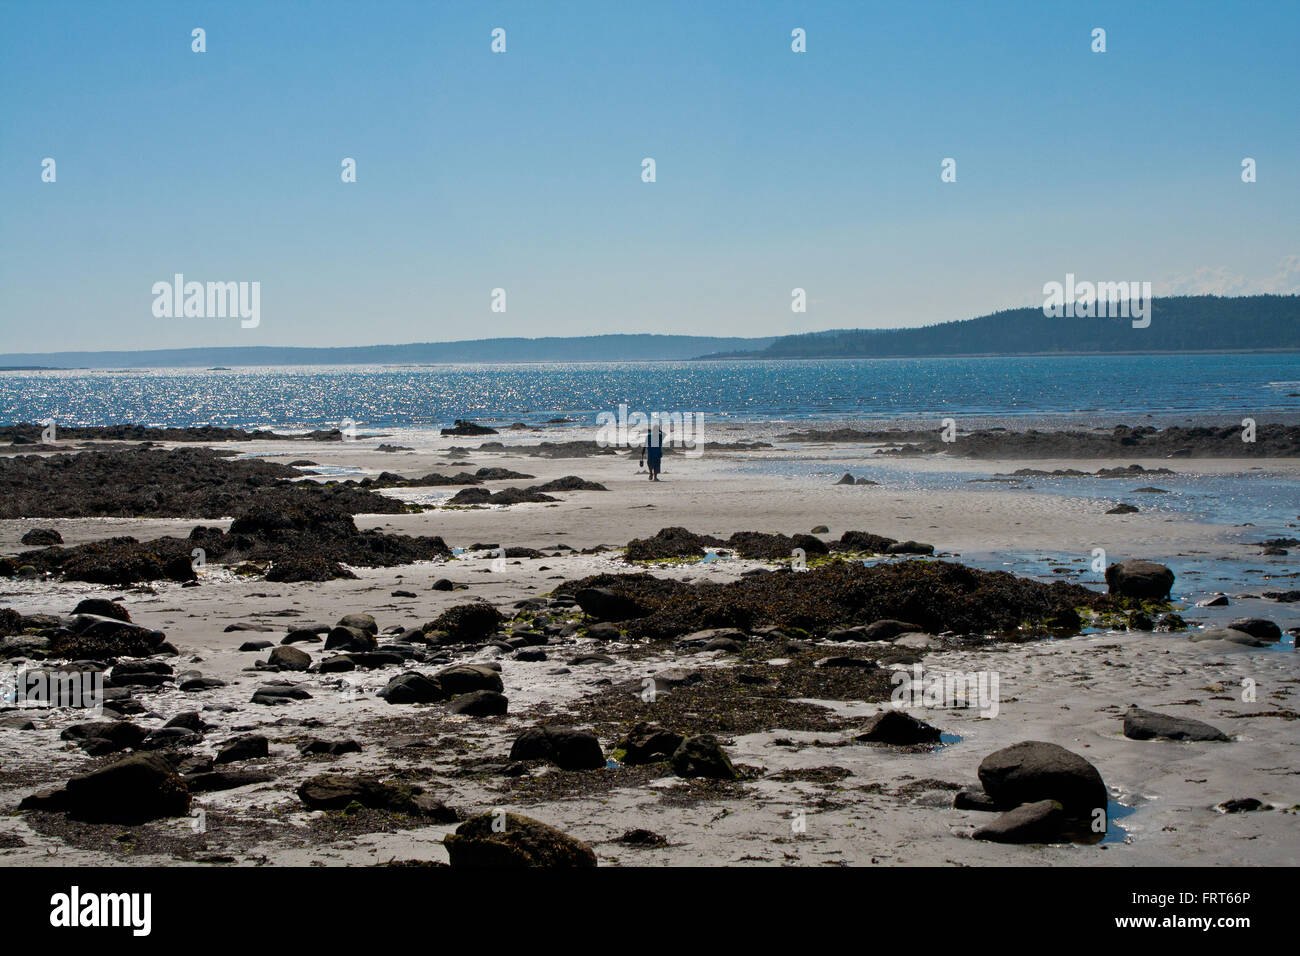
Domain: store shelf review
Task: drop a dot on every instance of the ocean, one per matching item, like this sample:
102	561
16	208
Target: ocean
1011	391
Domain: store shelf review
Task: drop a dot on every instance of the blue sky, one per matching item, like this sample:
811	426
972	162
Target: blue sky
522	170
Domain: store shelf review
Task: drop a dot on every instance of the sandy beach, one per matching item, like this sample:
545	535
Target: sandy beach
807	794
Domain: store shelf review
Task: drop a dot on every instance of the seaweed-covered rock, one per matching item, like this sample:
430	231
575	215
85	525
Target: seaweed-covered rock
565	747
511	840
702	756
41	537
467	623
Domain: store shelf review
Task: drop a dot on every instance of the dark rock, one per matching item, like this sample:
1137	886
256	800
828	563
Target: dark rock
466	678
289	658
413	688
1243	805
479	703
247	747
255	645
702	756
1258	627
132	791
349	639
897	727
209	781
648	743
1034	770
1144	580
509	841
102	607
1142	724
604	604
42	537
329	748
1043	821
279	694
565	747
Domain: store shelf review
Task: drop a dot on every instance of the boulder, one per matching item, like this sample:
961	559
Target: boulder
362	622
492	840
897	727
648	743
1259	628
102	607
247	747
1142	724
413	688
1043	821
1034	770
132	791
42	537
567	748
349	639
606	605
1143	580
466	678
479	703
702	756
289	658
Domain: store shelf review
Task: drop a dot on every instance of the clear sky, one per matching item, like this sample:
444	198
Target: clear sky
522	170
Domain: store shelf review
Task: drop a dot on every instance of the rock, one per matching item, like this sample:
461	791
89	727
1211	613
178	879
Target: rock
909	547
482	842
648	743
132	791
917	642
361	622
971	800
462	427
247	747
530	654
887	630
413	688
642	837
1259	628
192	684
289	658
1219	600
42	537
466	678
104	737
255	645
350	639
443	584
1229	634
301	636
209	781
467	623
702	756
604	631
582	659
1243	805
567	748
1142	724
279	694
329	748
1034	770
1040	822
190	720
1119	509
164	738
897	727
331	791
606	605
847	479
843	661
820	529
1144	580
479	703
102	607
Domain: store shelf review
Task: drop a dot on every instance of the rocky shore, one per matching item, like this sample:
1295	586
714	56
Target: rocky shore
548	673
